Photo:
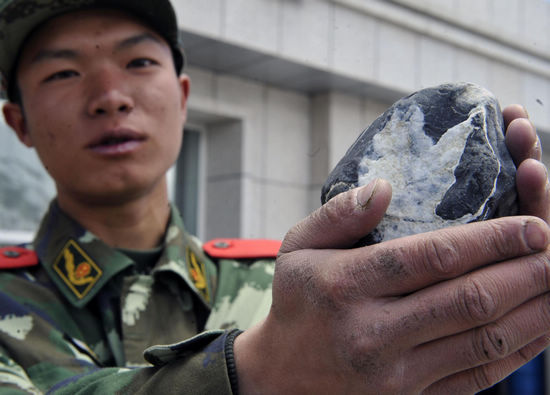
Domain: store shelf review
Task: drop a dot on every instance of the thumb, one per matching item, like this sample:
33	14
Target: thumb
343	220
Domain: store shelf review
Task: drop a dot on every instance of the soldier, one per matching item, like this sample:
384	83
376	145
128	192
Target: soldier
96	88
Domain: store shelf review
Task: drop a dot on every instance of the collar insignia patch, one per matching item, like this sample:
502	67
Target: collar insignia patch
77	270
197	271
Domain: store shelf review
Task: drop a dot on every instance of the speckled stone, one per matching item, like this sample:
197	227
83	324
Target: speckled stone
443	151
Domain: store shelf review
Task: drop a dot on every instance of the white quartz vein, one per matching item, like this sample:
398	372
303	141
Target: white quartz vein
420	171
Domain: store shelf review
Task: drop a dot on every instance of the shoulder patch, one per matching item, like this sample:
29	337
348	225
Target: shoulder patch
198	274
76	269
242	248
17	257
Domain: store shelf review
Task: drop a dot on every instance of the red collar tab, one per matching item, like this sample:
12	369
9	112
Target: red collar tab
242	248
17	257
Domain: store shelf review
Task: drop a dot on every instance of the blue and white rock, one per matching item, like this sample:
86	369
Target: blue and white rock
443	151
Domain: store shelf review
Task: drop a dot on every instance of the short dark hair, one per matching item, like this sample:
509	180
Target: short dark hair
17	23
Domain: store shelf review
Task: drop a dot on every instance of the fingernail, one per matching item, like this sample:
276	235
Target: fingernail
365	195
535	236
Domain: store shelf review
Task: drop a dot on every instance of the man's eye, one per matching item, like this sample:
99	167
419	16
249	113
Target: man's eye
141	62
61	75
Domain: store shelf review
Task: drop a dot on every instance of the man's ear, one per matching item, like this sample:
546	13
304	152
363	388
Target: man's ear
13	115
185	84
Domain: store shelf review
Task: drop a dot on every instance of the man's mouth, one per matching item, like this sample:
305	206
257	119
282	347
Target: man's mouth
120	142
115	140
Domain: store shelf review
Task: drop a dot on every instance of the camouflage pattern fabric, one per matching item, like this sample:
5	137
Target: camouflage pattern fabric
82	319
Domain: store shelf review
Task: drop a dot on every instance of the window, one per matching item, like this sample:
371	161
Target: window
186	180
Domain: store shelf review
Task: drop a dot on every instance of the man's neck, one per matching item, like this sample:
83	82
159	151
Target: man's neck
136	224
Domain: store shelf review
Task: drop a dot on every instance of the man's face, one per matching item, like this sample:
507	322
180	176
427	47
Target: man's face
102	105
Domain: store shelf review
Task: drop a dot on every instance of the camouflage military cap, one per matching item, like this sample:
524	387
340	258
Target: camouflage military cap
19	18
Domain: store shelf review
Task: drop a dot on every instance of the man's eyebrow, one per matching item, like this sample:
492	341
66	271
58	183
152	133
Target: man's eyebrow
44	54
137	39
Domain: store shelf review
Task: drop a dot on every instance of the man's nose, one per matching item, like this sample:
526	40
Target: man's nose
108	95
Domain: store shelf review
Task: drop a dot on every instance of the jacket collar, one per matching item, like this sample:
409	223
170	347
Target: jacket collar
80	264
183	256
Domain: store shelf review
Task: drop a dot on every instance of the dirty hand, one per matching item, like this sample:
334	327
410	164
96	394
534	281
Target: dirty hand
450	311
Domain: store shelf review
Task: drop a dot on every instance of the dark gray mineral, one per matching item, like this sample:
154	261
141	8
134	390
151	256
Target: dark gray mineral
443	151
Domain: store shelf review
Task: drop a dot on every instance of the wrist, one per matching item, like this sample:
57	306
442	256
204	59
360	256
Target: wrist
268	362
251	349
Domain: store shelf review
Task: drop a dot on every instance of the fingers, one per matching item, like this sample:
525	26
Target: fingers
525	148
488	343
512	112
405	265
522	141
342	221
533	189
478	298
484	376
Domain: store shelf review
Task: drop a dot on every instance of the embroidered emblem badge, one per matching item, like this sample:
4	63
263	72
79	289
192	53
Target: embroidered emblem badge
76	269
198	274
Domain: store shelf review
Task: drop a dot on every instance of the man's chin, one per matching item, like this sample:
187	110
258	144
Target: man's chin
112	194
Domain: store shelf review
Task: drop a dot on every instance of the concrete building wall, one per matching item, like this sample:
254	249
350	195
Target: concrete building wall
266	157
306	76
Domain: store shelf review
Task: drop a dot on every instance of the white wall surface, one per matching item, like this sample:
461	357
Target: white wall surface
274	170
399	45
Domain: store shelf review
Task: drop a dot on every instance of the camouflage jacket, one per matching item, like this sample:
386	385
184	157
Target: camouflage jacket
80	320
